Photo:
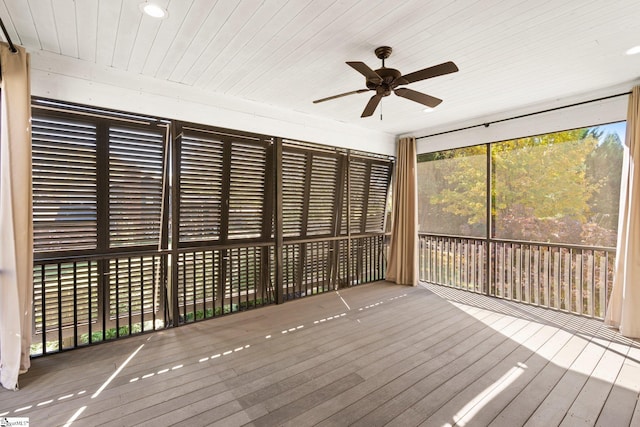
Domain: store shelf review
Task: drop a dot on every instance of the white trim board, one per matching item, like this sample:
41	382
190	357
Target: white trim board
588	114
73	80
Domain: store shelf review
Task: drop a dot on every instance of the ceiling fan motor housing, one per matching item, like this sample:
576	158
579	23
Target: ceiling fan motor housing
390	79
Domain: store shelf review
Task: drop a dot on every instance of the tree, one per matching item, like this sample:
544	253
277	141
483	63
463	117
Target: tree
544	173
436	183
604	167
539	189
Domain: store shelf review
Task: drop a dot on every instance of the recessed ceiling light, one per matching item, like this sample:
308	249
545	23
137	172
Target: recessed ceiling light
427	110
153	10
633	51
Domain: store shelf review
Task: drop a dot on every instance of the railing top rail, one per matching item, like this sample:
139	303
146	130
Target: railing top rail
297	240
450	236
95	257
66	258
523	242
218	247
557	245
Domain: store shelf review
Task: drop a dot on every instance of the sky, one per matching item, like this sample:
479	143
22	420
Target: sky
618	127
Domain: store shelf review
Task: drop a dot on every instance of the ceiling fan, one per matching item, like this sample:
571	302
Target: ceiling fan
384	80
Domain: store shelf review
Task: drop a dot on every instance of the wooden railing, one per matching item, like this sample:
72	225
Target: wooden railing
85	300
571	278
88	299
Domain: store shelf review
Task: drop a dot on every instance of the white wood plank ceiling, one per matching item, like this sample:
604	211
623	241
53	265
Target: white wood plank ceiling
511	53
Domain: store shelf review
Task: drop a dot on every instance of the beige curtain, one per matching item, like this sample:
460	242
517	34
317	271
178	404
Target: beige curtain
16	236
402	267
623	311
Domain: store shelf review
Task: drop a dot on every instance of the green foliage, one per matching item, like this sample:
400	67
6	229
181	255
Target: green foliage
561	187
226	309
604	165
111	333
465	194
451	191
544	174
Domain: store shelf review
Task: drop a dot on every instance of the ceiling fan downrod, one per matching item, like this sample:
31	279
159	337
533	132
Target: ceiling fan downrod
383	52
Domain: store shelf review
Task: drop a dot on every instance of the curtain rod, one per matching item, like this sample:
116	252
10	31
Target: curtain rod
6	35
487	124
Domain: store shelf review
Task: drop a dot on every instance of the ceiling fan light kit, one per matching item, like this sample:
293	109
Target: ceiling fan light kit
386	80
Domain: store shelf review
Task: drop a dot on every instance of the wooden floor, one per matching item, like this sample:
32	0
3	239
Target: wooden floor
372	355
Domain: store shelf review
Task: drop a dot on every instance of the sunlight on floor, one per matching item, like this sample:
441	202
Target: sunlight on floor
466	414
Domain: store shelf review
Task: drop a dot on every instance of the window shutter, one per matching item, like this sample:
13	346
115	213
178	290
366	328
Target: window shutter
322	195
358	170
345	196
377	200
136	157
246	191
294	169
201	157
64	184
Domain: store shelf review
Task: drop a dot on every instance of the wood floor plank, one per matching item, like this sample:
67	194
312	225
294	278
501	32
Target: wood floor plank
341	365
519	410
554	407
358	354
622	400
536	361
451	397
482	393
410	386
635	419
376	354
284	413
386	370
248	379
443	384
587	406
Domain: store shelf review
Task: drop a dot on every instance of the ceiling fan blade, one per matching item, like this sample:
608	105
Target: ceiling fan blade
371	105
419	97
427	73
364	69
329	98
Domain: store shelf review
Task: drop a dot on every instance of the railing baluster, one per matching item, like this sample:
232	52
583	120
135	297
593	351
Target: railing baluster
59	306
75	304
535	275
505	277
117	298
591	283
90	303
568	261
526	273
154	291
562	277
203	274
547	277
129	294
603	284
